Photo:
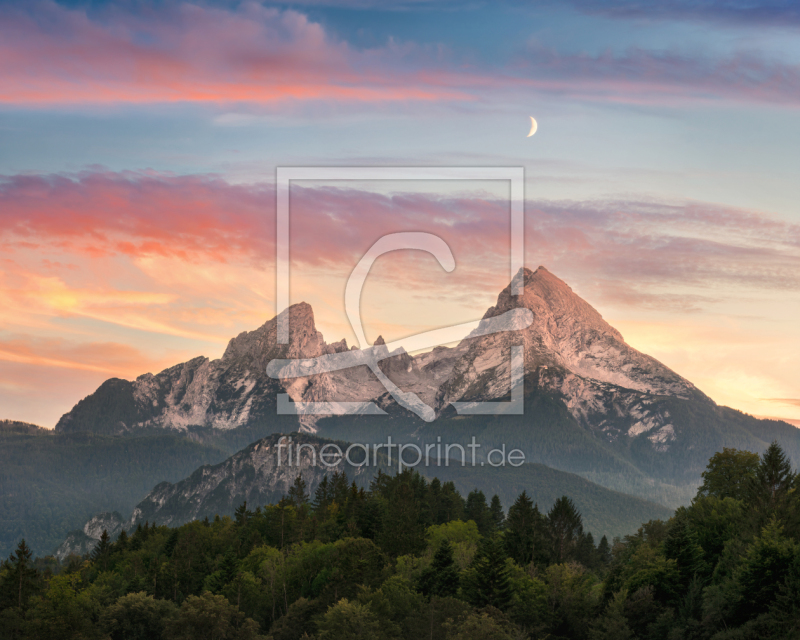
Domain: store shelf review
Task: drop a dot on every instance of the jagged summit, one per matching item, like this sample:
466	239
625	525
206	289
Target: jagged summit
567	335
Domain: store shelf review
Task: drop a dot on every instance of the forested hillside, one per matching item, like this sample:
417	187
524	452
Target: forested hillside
410	559
52	483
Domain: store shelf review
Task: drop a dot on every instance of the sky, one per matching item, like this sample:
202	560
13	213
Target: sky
139	143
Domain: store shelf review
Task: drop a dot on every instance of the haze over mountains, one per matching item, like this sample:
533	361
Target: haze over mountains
593	405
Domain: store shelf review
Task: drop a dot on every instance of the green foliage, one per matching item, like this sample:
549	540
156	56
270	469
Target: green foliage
523	526
729	474
488	583
138	616
350	621
210	617
392	563
441	578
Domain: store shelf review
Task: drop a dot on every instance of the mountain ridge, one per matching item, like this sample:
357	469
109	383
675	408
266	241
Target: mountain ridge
232	391
593	404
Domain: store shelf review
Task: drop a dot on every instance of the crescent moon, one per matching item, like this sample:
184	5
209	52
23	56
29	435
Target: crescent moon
534	127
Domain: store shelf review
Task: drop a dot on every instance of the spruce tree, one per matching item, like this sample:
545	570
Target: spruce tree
102	551
171	543
496	515
297	496
452	504
441	578
321	496
604	552
122	540
525	535
566	529
242	516
340	487
773	479
681	545
491	585
21	580
478	511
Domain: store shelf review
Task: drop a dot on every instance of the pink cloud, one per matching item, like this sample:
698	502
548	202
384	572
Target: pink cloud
621	249
191	53
54	55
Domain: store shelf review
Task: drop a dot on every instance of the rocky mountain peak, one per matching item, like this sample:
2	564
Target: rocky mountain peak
261	345
567	335
548	296
566	332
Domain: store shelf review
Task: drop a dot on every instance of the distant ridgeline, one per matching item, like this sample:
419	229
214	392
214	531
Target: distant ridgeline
51	483
254	475
406	558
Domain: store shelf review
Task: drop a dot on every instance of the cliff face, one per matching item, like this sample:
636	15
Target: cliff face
257	474
83	541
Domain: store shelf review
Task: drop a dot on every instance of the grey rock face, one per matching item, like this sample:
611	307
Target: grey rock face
569	348
257	474
566	332
81	542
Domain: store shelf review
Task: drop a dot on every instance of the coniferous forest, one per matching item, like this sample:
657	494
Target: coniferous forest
411	559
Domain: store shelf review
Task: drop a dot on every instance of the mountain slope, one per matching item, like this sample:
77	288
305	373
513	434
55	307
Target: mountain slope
594	405
52	483
254	475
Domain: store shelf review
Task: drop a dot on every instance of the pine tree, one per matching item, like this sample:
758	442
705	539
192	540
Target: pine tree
171	543
137	538
525	533
773	479
340	487
681	545
566	529
491	585
102	551
478	511
441	578
496	514
586	553
604	552
242	516
21	581
122	540
297	496
321	496
452	504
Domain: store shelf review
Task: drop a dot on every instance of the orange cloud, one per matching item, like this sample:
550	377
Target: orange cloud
106	357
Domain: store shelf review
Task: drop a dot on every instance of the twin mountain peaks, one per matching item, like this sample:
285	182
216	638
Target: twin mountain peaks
569	351
594	407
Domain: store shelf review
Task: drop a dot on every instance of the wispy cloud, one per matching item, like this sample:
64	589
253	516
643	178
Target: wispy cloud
52	54
795	402
664	78
628	251
771	12
266	58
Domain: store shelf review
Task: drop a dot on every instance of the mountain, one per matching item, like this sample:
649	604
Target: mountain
593	405
254	475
